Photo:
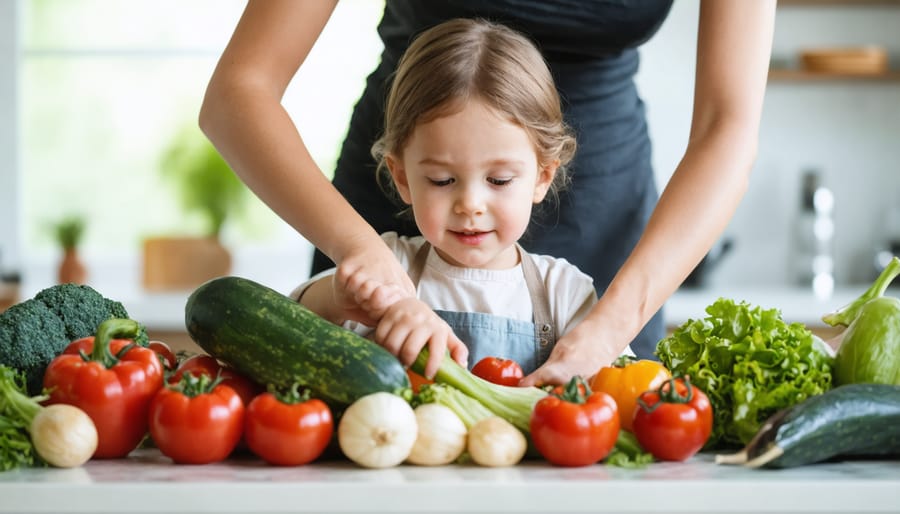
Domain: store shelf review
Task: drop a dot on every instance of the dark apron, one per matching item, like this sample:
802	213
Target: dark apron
486	335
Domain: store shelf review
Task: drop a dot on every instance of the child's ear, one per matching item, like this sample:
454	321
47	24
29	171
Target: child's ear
398	174
544	179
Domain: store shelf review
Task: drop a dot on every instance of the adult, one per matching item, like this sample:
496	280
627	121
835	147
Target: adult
610	221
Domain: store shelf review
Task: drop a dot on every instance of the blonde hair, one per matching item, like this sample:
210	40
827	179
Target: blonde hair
461	59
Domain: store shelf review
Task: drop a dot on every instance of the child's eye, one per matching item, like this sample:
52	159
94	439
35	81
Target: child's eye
499	181
442	182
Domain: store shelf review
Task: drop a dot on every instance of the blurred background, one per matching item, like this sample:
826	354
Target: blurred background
99	102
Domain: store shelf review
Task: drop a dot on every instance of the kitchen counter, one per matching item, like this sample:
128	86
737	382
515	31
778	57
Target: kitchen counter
149	482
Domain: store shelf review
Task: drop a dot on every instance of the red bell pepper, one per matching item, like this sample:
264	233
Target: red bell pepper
113	380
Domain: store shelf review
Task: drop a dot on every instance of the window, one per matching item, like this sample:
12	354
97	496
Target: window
104	87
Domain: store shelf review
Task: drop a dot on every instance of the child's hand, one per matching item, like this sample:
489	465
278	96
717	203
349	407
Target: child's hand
409	325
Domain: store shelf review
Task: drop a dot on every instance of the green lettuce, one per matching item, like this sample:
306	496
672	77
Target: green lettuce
750	364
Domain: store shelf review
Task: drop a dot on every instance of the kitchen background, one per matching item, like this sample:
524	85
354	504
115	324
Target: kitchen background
93	93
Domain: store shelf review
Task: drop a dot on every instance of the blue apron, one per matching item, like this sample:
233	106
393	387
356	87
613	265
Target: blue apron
487	335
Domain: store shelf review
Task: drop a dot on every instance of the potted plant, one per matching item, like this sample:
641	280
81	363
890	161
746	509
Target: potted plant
68	233
206	186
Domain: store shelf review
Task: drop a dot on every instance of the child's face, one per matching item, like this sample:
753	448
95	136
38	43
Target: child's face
472	178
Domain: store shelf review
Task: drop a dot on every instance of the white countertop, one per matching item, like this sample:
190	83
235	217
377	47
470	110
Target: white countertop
149	482
165	311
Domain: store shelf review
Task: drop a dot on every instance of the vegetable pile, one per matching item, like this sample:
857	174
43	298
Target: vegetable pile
749	362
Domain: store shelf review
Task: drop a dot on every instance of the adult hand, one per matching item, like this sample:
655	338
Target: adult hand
368	281
409	325
583	351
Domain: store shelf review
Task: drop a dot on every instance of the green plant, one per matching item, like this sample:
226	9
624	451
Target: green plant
204	181
69	231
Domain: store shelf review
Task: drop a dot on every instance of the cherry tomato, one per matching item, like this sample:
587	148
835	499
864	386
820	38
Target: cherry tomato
208	365
499	371
625	380
573	426
166	355
287	430
196	421
674	421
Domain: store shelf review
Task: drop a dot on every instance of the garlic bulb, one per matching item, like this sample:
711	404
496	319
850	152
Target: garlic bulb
442	436
378	430
496	442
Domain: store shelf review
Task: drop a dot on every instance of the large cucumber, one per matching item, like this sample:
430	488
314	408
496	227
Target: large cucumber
853	420
275	340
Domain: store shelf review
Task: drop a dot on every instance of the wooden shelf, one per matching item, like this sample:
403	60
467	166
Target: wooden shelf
794	75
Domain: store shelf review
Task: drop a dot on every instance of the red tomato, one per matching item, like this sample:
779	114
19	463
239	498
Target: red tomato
287	432
166	355
573	426
674	421
196	425
208	365
499	371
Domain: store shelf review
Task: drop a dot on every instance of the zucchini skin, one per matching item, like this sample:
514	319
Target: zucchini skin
276	341
853	420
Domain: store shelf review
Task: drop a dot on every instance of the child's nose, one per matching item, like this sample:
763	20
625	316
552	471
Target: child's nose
470	201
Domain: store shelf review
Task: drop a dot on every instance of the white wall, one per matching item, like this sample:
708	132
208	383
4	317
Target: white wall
848	129
9	232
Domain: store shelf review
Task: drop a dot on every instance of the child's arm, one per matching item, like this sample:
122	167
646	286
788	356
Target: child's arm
409	325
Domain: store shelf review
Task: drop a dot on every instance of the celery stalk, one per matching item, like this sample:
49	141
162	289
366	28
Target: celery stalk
514	404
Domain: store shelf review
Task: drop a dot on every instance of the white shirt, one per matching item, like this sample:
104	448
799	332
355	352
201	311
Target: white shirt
501	292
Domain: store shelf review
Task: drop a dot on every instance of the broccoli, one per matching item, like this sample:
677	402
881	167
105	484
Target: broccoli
35	331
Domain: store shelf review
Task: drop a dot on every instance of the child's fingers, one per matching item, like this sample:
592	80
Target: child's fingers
458	350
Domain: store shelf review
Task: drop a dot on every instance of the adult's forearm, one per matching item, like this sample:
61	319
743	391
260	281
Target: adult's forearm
255	135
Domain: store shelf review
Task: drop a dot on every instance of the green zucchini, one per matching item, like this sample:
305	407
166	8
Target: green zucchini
276	341
852	421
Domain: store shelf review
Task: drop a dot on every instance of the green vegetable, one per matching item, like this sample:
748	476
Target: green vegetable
870	347
854	420
35	331
16	449
628	452
750	364
514	404
276	341
469	410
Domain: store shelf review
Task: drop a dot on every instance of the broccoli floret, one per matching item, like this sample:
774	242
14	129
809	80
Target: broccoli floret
35	331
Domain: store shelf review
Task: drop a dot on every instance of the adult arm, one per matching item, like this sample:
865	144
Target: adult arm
243	117
734	45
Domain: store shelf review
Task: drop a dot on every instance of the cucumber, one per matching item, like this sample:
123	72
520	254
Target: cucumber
276	341
853	420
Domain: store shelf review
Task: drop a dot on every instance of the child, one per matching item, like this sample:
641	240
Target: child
473	138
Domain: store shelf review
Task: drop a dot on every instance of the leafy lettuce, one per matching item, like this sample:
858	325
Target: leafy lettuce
750	364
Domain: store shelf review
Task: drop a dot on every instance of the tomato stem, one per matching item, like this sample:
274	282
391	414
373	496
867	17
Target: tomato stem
668	393
576	391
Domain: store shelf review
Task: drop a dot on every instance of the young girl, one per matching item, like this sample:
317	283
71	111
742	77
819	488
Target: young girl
473	139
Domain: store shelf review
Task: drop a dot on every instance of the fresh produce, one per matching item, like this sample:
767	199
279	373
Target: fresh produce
628	452
35	331
467	409
853	420
208	365
750	364
625	380
166	356
197	421
441	437
378	430
62	435
276	341
870	347
113	380
495	442
674	421
288	428
574	426
499	371
514	404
